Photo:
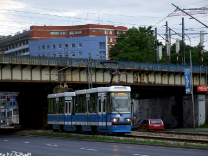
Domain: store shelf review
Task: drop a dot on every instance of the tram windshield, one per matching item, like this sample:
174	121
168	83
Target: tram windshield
120	102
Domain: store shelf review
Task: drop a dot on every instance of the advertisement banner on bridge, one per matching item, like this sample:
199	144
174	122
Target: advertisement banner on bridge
187	80
202	88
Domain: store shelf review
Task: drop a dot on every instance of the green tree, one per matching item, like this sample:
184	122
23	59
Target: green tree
135	45
195	54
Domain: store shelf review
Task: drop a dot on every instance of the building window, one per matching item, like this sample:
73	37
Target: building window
100	30
63	33
110	32
60	55
66	54
93	30
71	32
38	47
118	32
54	55
110	40
73	54
78	32
80	45
73	45
101	45
102	54
66	46
115	39
106	31
43	55
54	46
54	33
48	55
43	47
59	46
80	54
48	47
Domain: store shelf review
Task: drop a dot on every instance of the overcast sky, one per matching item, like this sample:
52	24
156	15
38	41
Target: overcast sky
18	15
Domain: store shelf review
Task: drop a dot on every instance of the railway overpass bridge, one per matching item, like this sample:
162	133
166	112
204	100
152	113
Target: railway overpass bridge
26	69
35	77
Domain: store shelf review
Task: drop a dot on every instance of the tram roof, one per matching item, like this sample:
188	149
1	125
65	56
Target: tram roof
51	96
65	94
61	94
104	89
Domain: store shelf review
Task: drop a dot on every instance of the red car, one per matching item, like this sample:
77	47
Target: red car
152	124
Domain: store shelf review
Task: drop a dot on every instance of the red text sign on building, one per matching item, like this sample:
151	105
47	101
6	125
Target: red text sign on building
202	88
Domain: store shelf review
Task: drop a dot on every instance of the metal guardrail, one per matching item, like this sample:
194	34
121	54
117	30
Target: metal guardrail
61	61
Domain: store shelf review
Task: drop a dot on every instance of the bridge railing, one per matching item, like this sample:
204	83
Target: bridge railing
64	61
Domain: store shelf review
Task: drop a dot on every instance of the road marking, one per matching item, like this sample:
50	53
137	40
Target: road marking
140	154
51	145
17	153
26	142
88	149
6	140
91	149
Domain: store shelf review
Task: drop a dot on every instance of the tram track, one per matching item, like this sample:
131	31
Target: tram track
172	136
166	139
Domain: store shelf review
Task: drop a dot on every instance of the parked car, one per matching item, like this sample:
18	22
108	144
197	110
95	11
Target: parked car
151	124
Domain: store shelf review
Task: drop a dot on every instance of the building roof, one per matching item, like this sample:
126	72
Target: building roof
14	38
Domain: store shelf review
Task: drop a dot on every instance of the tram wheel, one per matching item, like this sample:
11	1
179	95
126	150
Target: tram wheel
95	130
79	129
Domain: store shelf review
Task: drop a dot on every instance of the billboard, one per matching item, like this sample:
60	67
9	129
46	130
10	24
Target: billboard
202	88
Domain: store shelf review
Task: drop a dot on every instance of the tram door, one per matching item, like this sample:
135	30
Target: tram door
102	110
87	116
68	114
57	111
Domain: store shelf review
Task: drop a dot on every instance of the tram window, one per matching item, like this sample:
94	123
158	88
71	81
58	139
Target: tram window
65	107
93	104
108	103
49	106
53	102
69	107
72	109
104	105
80	104
99	105
61	105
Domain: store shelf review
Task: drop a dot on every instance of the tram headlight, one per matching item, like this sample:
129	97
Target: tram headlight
114	119
128	119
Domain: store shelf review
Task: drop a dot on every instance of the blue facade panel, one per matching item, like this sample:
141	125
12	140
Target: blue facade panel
74	47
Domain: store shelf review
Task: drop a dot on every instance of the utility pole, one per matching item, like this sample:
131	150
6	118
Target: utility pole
89	71
202	45
177	49
183	46
167	44
156	58
160	53
170	45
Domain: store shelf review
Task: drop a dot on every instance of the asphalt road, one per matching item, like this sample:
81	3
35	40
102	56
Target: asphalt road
42	146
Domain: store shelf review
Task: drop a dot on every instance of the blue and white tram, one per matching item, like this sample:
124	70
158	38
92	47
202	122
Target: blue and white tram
104	109
61	114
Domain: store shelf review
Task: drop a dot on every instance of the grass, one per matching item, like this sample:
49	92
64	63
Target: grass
112	139
192	129
205	125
